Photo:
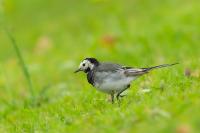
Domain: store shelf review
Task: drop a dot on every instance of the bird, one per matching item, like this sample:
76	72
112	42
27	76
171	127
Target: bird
112	78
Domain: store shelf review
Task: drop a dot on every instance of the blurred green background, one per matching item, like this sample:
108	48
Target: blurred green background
55	35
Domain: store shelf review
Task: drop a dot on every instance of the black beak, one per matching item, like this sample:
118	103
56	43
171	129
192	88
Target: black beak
78	70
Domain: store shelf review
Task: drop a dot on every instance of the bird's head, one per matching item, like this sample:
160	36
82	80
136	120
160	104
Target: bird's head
87	65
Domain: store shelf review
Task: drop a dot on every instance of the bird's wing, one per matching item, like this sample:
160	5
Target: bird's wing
106	71
128	71
108	67
134	71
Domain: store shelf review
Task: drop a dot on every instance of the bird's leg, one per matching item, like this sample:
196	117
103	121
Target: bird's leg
119	94
112	97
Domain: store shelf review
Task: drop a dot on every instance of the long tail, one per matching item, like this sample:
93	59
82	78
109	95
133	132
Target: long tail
141	71
159	66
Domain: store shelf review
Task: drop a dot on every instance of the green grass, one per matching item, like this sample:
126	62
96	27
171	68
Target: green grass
54	36
23	65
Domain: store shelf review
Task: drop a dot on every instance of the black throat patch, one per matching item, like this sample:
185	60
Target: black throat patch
90	73
90	77
87	70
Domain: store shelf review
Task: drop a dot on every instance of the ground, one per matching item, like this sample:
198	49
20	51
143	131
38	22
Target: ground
54	36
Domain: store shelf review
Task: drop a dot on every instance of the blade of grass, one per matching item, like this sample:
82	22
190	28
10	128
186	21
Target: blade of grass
19	55
22	64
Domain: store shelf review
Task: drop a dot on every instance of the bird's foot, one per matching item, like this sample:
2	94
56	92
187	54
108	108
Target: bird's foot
120	96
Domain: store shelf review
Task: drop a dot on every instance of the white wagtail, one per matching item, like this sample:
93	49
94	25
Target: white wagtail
112	78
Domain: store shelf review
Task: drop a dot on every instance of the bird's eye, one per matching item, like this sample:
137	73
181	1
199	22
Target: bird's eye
83	64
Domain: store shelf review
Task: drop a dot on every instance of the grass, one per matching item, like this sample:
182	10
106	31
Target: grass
23	66
54	36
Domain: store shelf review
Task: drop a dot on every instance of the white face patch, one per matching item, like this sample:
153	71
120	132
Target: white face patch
84	65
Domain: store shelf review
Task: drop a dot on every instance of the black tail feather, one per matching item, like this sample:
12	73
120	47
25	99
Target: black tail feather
159	66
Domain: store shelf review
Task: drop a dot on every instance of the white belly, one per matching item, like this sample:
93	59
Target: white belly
109	85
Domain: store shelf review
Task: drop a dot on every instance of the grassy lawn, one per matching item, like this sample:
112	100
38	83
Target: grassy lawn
54	36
